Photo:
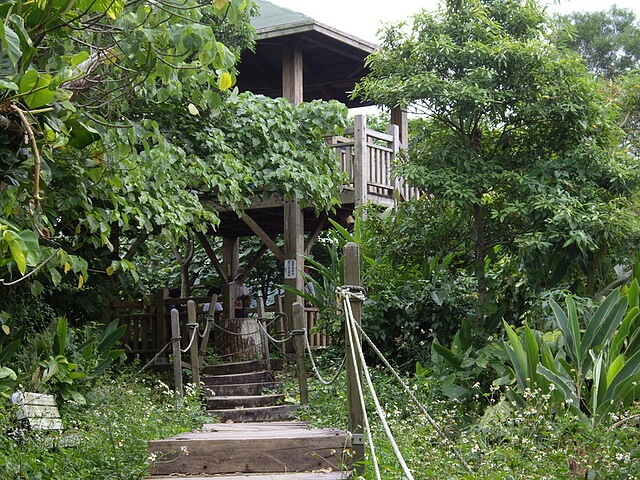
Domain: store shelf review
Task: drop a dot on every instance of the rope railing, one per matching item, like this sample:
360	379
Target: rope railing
345	293
314	366
355	335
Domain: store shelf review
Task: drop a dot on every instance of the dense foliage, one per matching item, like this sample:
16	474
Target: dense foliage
529	188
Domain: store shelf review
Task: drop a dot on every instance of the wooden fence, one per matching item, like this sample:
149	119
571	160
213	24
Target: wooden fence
149	323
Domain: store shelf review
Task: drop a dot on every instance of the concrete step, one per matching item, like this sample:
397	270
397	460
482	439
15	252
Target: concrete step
243	401
239	389
237	378
275	413
250	449
234	367
319	475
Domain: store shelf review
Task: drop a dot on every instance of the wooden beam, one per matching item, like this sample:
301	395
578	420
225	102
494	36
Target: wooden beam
255	228
212	257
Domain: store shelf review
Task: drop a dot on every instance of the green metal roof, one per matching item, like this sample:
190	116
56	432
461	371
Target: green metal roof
273	16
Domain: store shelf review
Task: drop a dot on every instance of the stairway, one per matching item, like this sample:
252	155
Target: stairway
235	392
256	439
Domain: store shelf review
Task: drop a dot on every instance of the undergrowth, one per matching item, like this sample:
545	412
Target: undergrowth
496	439
104	439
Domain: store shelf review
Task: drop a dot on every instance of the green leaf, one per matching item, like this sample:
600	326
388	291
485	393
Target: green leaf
6	85
36	288
565	384
450	357
518	357
60	338
37	89
10	43
17	248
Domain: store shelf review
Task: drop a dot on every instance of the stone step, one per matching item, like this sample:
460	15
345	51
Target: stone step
275	413
247	449
233	367
319	475
243	401
237	378
239	389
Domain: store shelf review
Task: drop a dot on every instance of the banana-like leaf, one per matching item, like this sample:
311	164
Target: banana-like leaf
518	356
570	327
564	384
603	324
628	322
630	369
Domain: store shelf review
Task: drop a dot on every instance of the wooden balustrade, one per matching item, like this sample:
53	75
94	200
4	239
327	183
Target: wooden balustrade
373	159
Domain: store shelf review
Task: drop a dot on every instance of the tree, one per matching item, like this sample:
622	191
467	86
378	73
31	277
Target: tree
131	120
609	41
514	138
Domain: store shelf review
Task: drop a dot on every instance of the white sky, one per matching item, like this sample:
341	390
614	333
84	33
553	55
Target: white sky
363	18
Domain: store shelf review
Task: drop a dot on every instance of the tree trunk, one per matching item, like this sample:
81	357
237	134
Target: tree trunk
184	261
237	339
481	252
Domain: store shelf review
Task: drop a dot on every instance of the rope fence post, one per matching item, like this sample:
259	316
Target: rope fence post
299	328
210	317
354	368
264	339
177	354
192	328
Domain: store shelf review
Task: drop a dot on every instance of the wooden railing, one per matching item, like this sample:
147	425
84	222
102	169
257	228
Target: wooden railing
367	157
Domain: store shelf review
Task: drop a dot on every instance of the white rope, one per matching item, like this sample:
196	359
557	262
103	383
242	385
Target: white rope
414	399
235	333
274	340
351	333
193	336
356	342
315	368
150	362
207	328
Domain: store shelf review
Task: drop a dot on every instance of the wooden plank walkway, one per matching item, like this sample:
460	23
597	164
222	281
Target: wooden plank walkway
269	449
250	448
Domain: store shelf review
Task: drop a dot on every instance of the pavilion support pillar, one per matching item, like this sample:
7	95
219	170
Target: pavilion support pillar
292	82
231	265
293	260
293	90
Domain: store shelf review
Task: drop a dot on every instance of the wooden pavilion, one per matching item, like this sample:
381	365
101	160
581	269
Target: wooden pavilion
301	59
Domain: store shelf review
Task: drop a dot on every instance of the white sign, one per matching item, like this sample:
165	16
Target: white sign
290	269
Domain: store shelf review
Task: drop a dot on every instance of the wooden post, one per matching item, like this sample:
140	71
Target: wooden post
298	323
264	339
192	328
161	330
354	370
177	354
361	160
231	263
294	259
209	326
399	118
292	72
